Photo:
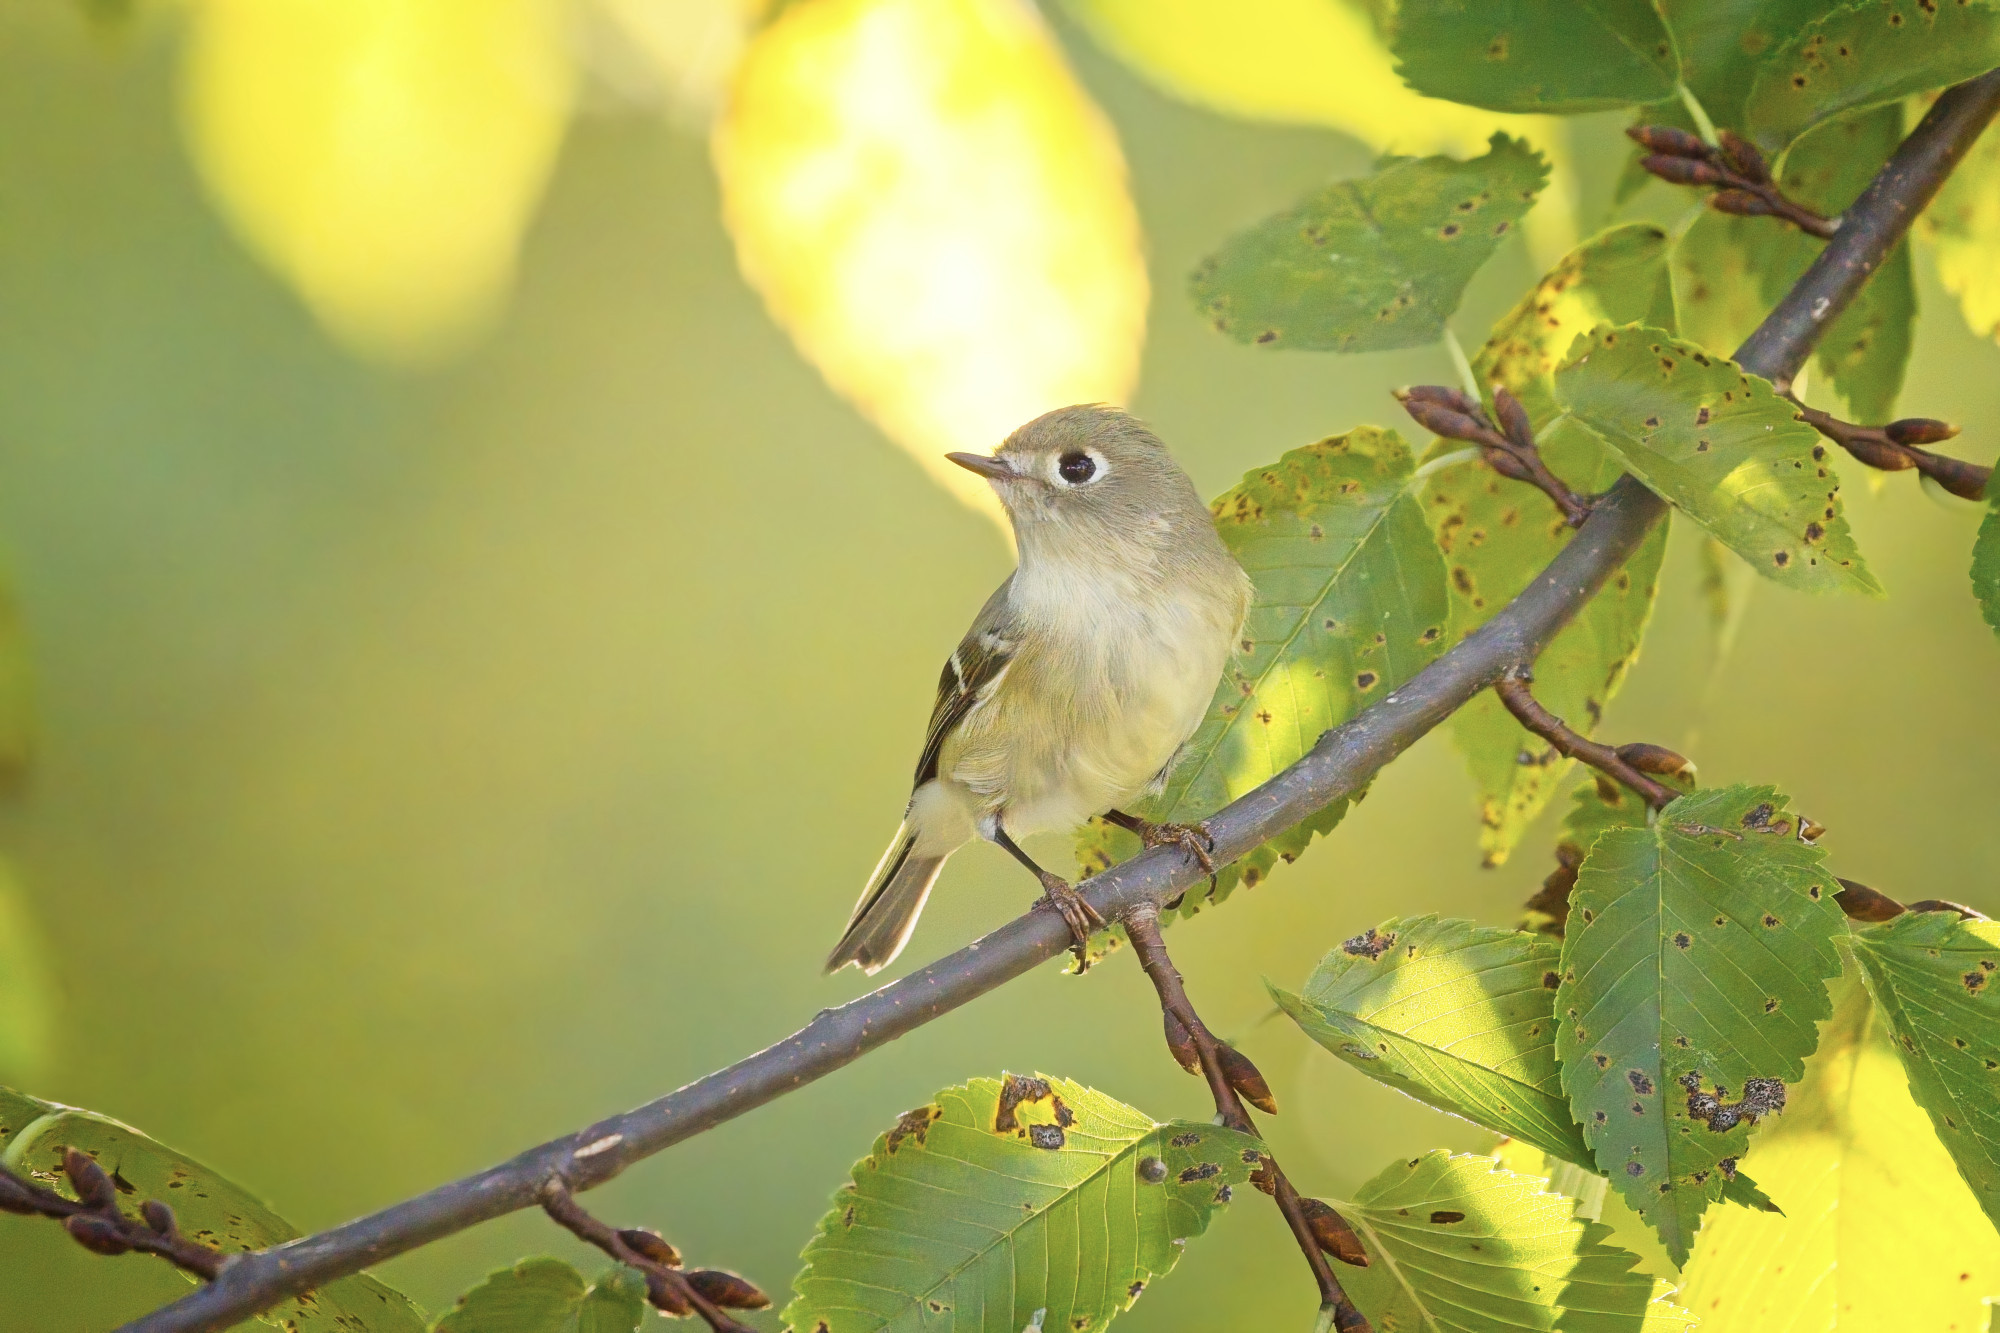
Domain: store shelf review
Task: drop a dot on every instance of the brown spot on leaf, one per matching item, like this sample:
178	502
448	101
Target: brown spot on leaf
1444	1217
1371	944
1640	1083
914	1125
1199	1171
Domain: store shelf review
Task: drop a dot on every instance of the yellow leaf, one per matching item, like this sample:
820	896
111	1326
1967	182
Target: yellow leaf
383	155
1879	1231
1319	62
937	214
1964	226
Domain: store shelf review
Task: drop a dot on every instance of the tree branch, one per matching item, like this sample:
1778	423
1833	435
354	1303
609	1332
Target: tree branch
1339	765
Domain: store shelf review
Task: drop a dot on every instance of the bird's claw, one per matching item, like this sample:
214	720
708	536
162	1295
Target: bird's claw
1194	840
1082	919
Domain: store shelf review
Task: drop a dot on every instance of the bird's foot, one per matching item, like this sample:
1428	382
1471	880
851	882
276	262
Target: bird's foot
1058	895
1194	840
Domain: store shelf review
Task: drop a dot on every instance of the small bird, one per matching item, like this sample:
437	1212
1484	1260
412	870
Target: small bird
1082	676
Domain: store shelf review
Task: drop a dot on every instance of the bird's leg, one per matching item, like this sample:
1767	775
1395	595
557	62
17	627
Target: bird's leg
1060	895
1194	840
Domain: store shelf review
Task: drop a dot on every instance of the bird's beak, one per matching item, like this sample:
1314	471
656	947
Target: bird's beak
987	466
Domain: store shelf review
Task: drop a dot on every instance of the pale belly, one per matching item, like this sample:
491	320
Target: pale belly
1094	731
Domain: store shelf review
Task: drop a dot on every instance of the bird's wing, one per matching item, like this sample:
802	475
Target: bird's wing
969	678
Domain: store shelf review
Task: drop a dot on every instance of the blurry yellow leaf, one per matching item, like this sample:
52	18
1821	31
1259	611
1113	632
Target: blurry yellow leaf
680	53
937	214
1319	62
1964	226
1879	1231
383	155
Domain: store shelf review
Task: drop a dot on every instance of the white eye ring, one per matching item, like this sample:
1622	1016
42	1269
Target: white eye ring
1077	467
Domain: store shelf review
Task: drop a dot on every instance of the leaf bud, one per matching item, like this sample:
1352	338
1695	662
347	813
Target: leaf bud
1180	1043
1452	425
727	1289
158	1216
1332	1234
16	1197
1656	759
1513	418
1743	203
1682	170
665	1295
92	1185
1875	449
1668	140
1743	155
1965	480
651	1245
1246	1078
1919	430
1862	903
95	1233
1507	465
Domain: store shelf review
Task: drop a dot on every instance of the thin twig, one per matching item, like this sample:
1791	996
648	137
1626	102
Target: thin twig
1623	763
94	1220
1338	765
1231	1076
1898	446
1731	163
669	1288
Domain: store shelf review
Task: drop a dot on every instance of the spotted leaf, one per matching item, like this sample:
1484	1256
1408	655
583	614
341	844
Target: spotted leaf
544	1295
1009	1196
1562	56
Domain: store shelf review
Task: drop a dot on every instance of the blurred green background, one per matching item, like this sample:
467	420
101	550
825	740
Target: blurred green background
431	763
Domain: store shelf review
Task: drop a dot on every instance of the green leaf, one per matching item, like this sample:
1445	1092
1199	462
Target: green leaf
1864	54
1498	535
1721	43
1722	447
1691	970
1349	603
209	1208
1878	1230
1370	264
1986	564
1729	271
1562	56
1459	1246
16	691
1001	1199
27	992
1457	1015
1963	224
1936	979
544	1295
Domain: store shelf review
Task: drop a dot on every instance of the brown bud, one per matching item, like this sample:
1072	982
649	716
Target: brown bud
1667	140
666	1295
1513	418
1919	430
16	1197
1742	203
1874	449
1331	1232
1862	903
1946	905
1507	465
1181	1043
1655	759
727	1289
95	1233
1246	1079
92	1185
158	1216
651	1245
1682	170
1743	155
1443	395
1968	481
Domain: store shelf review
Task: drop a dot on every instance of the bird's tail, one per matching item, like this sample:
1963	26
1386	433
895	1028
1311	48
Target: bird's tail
888	909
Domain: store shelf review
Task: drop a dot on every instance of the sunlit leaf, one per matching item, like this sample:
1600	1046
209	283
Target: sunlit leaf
1936	979
938	215
208	1208
1498	535
544	1295
1986	565
1863	54
1004	1198
1878	1231
1349	603
1560	56
1374	263
1722	447
1596	1201
27	991
1459	1246
1963	224
385	156
678	53
1690	990
1729	271
1457	1015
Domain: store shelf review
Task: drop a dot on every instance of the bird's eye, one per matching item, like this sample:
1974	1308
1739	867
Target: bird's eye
1076	468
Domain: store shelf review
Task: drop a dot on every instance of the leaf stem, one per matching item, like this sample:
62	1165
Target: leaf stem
1622	764
1460	363
1698	113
